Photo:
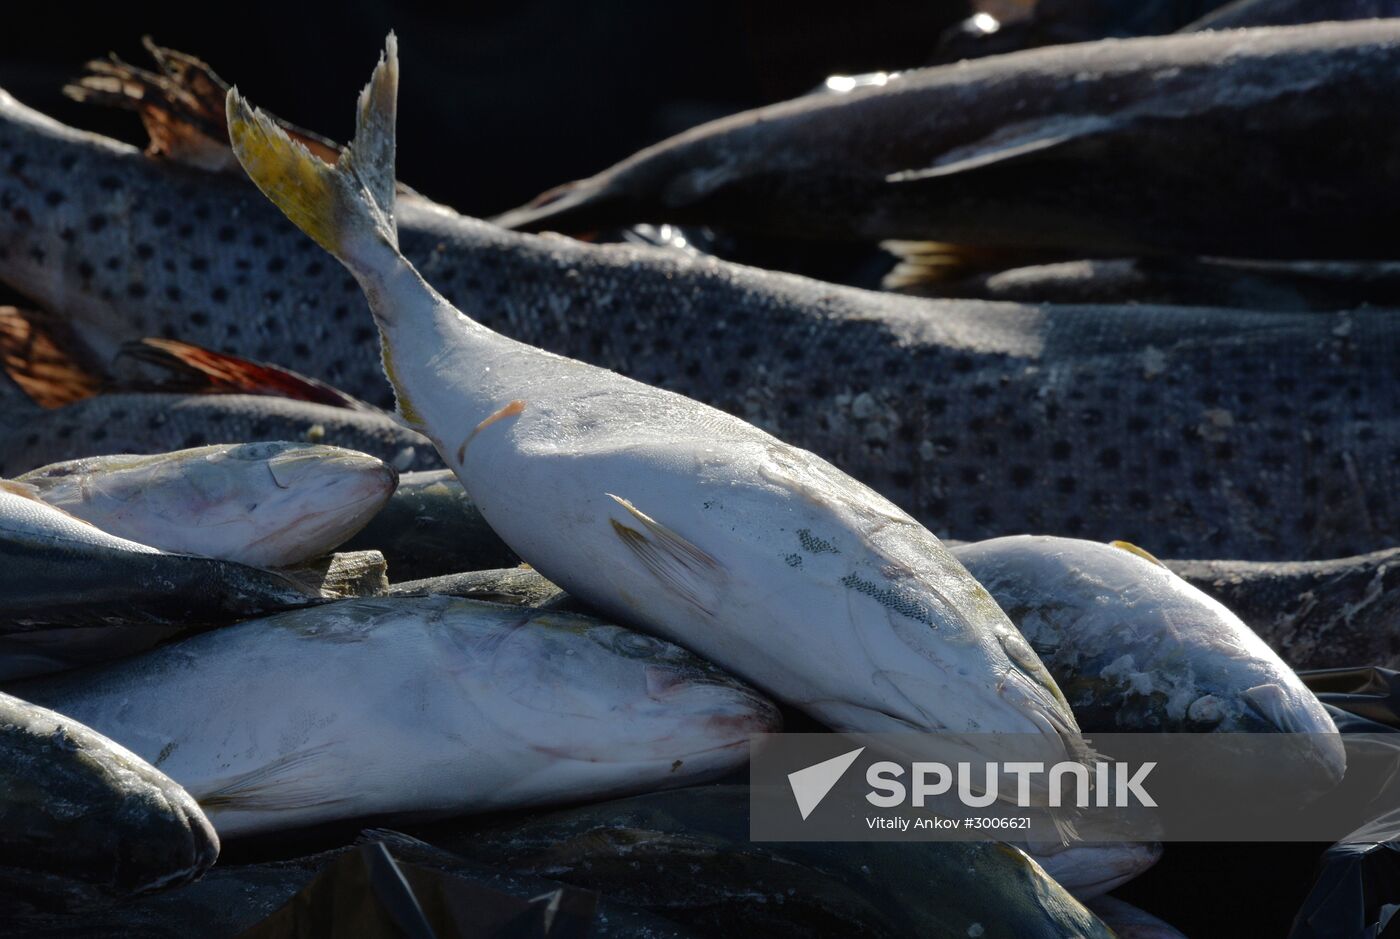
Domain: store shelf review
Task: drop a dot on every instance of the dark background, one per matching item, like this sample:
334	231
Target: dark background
499	100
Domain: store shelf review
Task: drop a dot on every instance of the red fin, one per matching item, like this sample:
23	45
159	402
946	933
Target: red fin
194	370
181	106
45	359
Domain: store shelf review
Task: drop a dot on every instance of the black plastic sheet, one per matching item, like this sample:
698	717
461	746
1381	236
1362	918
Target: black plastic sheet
1356	893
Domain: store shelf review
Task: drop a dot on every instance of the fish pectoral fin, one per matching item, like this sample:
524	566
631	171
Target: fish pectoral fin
300	780
923	264
23	490
1001	149
181	107
1131	548
683	568
46	359
194	370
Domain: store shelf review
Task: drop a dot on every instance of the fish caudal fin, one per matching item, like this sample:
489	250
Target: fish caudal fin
44	357
347	208
182	107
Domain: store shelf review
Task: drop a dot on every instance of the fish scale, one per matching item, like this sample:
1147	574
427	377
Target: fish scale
1192	431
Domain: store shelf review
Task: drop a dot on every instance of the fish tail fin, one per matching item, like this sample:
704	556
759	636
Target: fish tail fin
42	355
348	208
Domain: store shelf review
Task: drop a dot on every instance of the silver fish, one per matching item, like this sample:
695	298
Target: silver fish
1138	649
432	706
263	504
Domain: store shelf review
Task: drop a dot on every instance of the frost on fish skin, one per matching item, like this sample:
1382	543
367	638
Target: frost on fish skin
1134	646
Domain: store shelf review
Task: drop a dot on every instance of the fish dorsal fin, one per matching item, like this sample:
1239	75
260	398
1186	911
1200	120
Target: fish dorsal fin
41	354
993	152
1131	548
682	567
299	780
181	107
192	369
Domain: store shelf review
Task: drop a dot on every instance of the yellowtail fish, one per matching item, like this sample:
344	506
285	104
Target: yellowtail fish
658	510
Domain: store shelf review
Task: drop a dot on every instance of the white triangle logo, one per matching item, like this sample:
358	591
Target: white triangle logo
810	785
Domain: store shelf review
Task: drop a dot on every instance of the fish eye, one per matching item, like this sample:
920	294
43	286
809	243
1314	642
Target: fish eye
636	646
1206	711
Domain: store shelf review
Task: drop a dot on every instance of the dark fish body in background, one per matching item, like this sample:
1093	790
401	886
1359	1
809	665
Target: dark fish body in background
71	594
513	586
1263	143
137	422
85	823
1055	22
234	898
1319	614
1249	13
1192	432
1184	281
686	855
431	527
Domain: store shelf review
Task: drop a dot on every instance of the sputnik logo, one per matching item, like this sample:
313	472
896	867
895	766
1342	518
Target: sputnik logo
810	785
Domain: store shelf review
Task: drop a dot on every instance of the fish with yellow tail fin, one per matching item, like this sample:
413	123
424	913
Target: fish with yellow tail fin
661	511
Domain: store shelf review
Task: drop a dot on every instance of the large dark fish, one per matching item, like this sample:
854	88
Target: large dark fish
1319	614
1191	432
159	422
1184	281
1248	13
71	593
1001	26
232	899
1096	148
430	528
85	822
686	855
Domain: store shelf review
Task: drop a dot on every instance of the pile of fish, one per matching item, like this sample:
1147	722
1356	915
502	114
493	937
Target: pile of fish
620	506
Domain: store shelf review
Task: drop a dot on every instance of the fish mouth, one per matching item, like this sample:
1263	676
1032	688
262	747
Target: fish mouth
193	848
1285	711
1119	864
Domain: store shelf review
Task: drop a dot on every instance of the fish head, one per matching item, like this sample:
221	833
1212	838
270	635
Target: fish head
605	694
92	819
327	494
1138	649
264	504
